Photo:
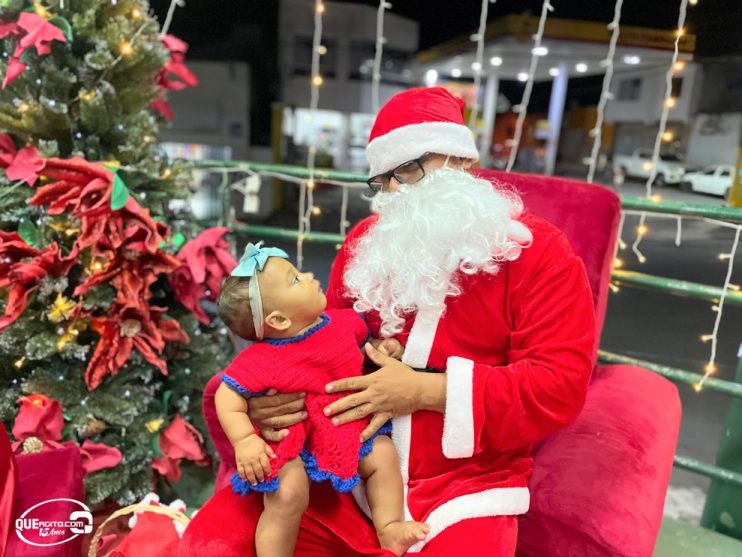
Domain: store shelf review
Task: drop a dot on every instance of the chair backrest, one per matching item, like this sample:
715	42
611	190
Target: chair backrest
588	214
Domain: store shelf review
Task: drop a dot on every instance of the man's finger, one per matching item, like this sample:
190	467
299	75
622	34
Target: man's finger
280	422
347	384
346	403
356	413
376	356
271	401
273	435
374	425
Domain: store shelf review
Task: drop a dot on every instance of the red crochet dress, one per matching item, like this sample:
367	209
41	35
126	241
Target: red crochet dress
306	363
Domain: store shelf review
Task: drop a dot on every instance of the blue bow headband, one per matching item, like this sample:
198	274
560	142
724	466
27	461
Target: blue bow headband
251	263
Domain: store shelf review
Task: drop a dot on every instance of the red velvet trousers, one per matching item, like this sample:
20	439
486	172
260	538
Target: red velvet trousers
333	526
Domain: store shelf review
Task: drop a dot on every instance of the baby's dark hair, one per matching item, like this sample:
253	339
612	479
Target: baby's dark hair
233	306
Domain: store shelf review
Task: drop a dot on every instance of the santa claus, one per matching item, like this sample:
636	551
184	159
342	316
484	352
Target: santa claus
496	316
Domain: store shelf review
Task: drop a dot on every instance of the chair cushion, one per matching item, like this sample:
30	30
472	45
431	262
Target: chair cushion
599	485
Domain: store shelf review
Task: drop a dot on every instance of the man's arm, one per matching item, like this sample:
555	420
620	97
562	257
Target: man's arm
551	356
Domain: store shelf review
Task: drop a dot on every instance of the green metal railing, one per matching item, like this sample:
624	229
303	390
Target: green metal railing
723	511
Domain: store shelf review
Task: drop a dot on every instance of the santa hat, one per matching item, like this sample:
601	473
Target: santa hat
418	121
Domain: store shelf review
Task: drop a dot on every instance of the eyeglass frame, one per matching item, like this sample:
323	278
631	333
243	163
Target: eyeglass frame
392	173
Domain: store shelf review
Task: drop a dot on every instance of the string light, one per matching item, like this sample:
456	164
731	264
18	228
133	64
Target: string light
316	211
678	66
615	289
306	192
669	102
605	93
125	48
136	13
668	136
693	2
169	17
41	11
23	108
18	364
88	95
710	368
477	65
642	230
617	263
378	52
545	9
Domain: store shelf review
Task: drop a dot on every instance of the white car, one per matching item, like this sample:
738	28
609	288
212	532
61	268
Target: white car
639	165
716	180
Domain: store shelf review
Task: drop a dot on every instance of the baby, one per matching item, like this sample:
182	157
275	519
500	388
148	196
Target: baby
301	348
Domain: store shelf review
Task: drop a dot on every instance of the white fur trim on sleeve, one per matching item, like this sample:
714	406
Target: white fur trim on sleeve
458	422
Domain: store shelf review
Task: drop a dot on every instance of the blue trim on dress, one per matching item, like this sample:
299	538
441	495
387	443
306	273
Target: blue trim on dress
368	445
235	385
282	341
316	474
243	487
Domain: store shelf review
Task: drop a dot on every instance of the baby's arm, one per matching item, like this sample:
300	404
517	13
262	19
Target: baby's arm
251	452
389	346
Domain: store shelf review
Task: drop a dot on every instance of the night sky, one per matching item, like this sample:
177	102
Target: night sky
246	30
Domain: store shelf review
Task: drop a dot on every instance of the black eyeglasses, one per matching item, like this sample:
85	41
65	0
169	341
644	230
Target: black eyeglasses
408	172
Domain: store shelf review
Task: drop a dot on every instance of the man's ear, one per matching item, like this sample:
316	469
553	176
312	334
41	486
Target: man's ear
278	321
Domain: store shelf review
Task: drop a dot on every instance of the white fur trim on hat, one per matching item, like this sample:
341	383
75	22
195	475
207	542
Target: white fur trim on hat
410	142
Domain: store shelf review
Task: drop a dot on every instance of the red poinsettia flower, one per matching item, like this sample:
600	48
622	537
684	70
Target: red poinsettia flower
176	67
180	440
207	260
98	456
126	328
36	32
24	164
80	188
21	270
39	416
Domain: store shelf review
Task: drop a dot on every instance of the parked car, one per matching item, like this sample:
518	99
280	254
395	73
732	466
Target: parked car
639	165
716	179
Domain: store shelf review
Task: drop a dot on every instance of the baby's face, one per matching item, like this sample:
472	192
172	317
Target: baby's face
284	288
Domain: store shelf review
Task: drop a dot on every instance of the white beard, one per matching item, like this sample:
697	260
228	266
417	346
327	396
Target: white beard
427	233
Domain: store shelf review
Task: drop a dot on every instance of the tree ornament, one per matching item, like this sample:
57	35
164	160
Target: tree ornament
93	428
61	309
33	445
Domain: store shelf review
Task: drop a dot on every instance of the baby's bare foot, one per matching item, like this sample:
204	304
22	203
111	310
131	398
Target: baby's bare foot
398	537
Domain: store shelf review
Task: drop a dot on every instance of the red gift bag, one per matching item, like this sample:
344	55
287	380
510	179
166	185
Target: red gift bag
49	502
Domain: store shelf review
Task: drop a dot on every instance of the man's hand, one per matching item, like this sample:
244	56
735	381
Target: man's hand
394	390
273	413
388	346
253	458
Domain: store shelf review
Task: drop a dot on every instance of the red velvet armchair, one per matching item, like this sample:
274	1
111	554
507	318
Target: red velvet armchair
599	485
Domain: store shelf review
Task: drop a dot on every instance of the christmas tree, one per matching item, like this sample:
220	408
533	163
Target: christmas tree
103	338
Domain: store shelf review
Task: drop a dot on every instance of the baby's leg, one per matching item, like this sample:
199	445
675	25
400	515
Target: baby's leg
279	524
385	494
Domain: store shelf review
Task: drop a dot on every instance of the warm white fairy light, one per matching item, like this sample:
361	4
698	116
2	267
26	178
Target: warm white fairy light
710	368
477	65
668	103
605	95
344	212
380	41
306	193
523	107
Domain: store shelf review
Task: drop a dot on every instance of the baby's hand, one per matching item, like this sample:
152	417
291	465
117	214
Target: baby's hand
253	458
389	346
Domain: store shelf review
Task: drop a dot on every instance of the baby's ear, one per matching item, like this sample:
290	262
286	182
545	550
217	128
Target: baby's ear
278	321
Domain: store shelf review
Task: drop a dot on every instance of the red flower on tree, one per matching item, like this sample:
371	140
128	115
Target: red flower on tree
21	269
24	164
126	328
180	440
39	416
207	259
175	68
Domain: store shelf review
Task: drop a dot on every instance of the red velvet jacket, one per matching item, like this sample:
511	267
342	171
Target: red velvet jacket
517	348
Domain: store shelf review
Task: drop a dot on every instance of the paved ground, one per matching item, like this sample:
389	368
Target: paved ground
640	323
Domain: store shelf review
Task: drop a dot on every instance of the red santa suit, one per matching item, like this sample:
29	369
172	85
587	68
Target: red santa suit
517	351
